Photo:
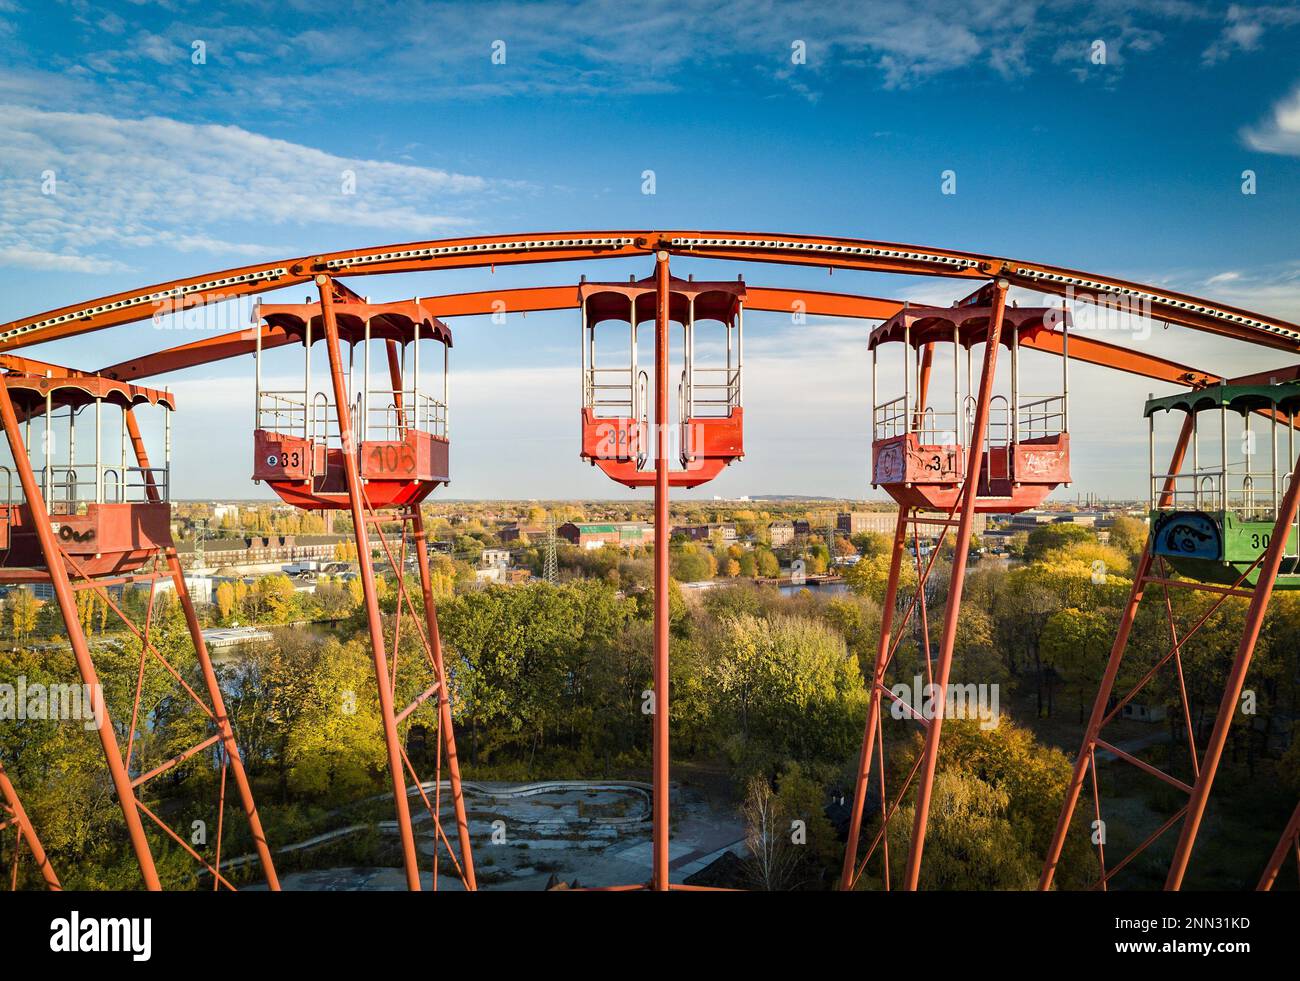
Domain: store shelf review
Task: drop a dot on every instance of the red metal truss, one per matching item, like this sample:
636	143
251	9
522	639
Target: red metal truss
1288	844
366	520
531	299
663	298
14	815
369	519
1106	708
490	251
959	516
67	573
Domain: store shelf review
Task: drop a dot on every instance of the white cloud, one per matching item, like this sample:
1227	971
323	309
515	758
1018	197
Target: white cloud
74	183
1244	29
1280	131
408	50
57	262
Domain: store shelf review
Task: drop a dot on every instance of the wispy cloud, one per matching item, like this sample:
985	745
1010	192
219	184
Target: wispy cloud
73	185
1279	132
407	50
1244	30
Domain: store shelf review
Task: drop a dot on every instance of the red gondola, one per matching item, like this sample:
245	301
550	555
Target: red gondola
99	503
616	429
919	450
400	428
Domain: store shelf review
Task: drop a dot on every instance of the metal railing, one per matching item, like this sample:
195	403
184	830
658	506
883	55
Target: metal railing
68	487
1248	494
643	396
709	392
889	419
389	421
283	412
606	390
1041	417
937	428
290	413
323	424
1290	555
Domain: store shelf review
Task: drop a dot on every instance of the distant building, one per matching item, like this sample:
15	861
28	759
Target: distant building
222	511
495	558
624	534
704	533
886	523
512	533
853	522
1141	712
1029	520
780	533
260	550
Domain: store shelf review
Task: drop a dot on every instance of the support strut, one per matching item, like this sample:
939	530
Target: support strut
961	549
1260	596
26	833
76	637
659	879
350	441
848	872
224	729
1206	767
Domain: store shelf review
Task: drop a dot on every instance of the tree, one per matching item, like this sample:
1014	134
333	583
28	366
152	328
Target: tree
869	576
970	844
1076	644
773	861
274	596
23	611
870	543
768	565
225	601
1056	535
690	563
784	688
1034	778
1129	535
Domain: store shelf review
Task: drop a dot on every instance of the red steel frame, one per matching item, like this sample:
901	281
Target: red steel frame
61	567
961	517
1205	766
364	518
12	814
659	879
1289	842
829	253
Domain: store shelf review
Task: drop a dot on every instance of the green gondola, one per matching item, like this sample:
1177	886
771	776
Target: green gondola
1219	519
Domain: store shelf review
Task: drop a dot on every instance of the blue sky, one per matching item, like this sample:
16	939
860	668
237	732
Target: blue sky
164	168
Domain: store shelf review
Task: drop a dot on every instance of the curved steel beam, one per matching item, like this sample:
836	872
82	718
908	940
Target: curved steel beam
492	250
542	298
